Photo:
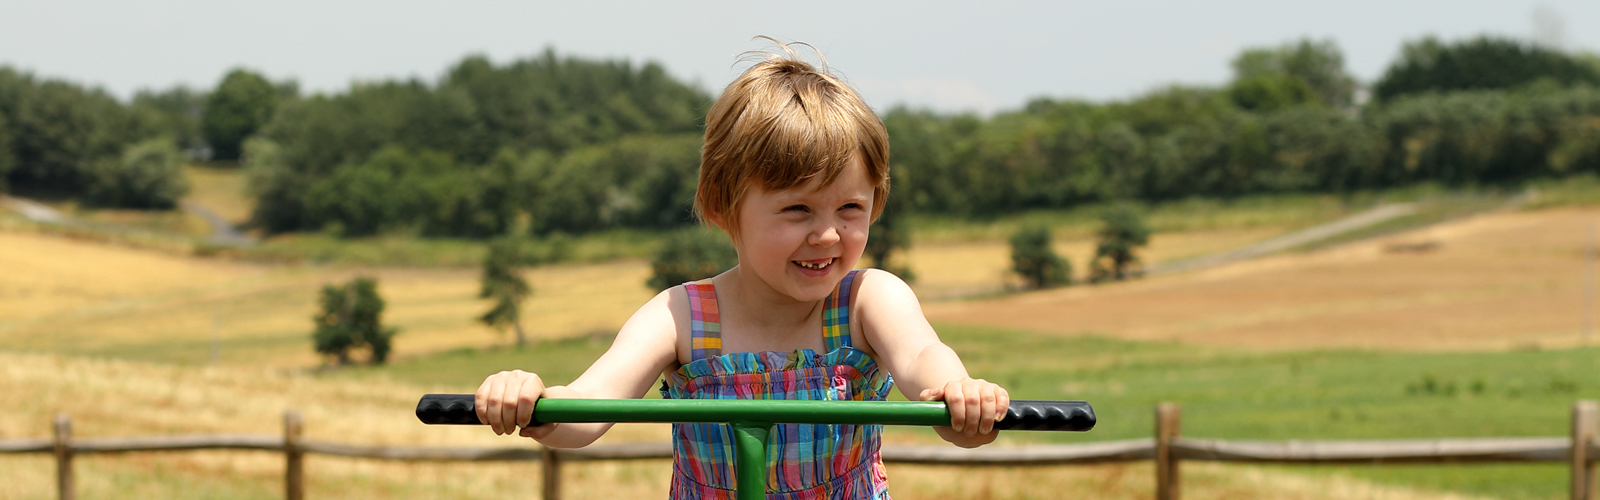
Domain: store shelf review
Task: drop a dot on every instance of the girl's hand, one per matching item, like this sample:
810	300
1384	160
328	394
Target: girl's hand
505	401
975	405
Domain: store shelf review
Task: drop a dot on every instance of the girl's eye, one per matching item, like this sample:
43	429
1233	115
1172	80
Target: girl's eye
849	206
795	208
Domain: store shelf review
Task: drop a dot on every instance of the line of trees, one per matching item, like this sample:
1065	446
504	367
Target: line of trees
1288	122
555	144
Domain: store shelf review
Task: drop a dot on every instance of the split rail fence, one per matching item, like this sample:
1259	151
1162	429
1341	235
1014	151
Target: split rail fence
1580	451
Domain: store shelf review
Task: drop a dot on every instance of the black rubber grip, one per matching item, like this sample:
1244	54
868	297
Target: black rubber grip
1028	415
448	409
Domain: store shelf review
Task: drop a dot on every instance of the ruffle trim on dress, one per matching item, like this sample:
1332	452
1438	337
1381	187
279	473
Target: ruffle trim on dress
721	369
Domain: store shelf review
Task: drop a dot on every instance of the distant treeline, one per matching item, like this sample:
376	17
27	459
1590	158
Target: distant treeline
551	144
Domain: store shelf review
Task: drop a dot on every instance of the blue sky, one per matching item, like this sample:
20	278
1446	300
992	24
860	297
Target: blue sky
949	56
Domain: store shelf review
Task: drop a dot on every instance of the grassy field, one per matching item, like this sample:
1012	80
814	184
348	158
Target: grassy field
1502	280
1326	395
1225	393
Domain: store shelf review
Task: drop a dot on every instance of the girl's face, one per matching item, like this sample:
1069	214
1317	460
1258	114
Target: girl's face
802	241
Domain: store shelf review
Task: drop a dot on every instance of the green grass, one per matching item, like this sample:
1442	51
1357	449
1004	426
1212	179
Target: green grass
1581	189
1231	394
401	250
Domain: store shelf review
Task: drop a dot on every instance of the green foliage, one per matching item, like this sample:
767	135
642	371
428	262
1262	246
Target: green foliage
148	175
351	319
1034	259
1268	93
58	133
566	144
1121	232
688	255
891	235
176	112
241	104
503	283
1482	63
1318	65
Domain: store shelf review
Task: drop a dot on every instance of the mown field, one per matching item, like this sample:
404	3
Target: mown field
1465	328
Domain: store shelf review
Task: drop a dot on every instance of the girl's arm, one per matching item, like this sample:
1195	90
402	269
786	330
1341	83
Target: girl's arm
642	350
923	367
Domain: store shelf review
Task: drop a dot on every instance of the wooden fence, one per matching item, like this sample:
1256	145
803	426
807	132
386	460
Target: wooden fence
1168	449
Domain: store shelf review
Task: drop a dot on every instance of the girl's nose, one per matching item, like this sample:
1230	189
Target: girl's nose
826	237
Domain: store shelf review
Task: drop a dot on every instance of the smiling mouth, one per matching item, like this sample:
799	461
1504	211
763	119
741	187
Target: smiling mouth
815	264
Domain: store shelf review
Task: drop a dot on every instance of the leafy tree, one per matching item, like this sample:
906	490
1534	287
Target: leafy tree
1319	65
502	283
1034	259
891	234
1122	231
688	255
351	319
240	105
1268	93
176	112
148	175
1485	62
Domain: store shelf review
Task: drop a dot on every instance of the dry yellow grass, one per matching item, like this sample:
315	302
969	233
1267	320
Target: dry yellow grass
1499	280
70	296
957	269
220	189
120	398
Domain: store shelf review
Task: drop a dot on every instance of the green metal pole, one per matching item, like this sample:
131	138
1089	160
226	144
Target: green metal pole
750	444
726	410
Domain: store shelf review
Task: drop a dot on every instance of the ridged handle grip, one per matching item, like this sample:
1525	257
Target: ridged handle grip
447	409
1030	415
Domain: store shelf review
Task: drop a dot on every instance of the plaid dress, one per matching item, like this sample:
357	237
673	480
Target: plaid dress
804	462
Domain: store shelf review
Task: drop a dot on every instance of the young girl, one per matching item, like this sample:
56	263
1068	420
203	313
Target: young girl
794	169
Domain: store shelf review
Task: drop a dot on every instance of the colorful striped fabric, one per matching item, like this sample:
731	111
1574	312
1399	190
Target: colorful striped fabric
804	462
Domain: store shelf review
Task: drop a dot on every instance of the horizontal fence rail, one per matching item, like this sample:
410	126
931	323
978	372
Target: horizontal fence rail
1175	449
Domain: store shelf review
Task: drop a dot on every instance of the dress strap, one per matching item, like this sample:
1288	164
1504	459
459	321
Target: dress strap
836	313
705	329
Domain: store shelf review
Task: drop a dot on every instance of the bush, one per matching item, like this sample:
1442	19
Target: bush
1122	231
148	175
351	319
1034	259
1482	63
689	255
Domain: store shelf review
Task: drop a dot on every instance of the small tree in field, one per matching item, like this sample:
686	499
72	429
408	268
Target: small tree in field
1122	232
502	283
1034	260
689	255
351	319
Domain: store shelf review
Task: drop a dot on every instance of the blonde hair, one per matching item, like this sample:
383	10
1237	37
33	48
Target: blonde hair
778	125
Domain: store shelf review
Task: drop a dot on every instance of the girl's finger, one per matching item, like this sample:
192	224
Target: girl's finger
974	405
480	402
492	402
1002	404
531	389
933	394
954	400
508	404
986	416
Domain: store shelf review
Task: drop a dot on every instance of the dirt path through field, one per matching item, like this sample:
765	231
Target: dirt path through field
1497	280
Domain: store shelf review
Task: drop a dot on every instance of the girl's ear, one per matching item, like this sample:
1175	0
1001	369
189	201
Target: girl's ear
716	220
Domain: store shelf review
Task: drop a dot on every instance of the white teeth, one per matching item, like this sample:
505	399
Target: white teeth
818	265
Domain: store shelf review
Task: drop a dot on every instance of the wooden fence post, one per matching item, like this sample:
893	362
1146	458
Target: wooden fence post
550	461
1585	425
64	489
294	487
1169	422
